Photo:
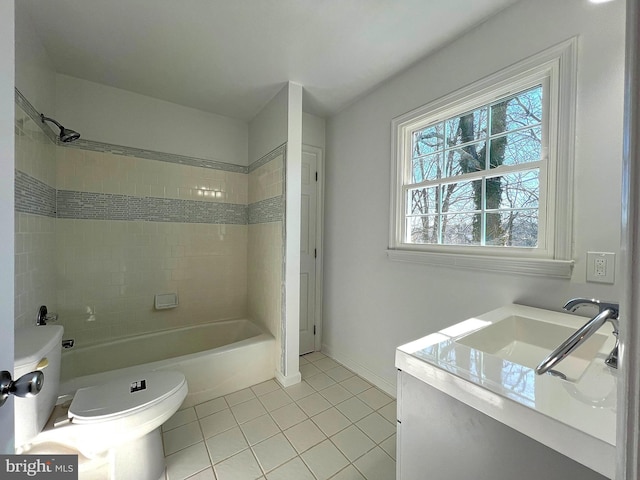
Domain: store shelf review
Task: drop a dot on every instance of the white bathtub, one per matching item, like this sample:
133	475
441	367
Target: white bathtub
216	358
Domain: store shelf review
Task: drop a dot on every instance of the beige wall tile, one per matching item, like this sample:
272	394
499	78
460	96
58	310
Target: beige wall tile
266	181
264	277
35	267
35	153
87	171
109	272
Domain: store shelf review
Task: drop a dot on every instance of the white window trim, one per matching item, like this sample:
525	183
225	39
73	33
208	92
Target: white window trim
556	261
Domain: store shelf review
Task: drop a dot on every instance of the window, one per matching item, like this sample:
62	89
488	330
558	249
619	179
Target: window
486	171
475	177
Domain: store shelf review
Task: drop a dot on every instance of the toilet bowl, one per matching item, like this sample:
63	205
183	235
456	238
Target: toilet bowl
114	427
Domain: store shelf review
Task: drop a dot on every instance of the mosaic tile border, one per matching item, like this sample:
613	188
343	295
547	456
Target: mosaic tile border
107	206
33	196
281	150
267	211
37	198
103	147
154	155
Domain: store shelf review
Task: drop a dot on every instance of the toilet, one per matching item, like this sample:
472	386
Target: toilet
114	428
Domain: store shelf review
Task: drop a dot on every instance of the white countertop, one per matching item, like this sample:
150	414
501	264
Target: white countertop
577	419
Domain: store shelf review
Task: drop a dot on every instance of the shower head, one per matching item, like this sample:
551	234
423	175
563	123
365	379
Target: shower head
66	135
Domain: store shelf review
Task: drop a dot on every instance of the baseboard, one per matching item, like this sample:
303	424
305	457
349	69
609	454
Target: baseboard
288	380
364	372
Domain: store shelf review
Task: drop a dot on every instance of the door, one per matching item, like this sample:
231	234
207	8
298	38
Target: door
6	212
309	248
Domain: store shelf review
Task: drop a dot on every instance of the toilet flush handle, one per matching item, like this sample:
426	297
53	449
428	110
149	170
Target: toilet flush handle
27	385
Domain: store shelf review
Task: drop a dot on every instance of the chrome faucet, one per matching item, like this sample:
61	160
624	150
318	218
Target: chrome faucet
44	316
41	318
607	312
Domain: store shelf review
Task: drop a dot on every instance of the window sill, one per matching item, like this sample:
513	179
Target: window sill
520	266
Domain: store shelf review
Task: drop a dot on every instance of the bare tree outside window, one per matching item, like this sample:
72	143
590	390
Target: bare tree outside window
461	197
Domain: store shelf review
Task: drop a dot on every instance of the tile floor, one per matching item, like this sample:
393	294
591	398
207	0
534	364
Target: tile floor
332	425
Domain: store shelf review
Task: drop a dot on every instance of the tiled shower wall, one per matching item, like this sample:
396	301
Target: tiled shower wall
129	228
266	243
35	223
117	225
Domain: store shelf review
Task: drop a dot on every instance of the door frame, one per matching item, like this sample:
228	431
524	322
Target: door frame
317	311
7	211
628	419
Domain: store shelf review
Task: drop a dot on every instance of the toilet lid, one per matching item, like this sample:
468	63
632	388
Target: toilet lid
124	395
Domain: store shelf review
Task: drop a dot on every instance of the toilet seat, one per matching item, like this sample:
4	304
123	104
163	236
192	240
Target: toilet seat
124	396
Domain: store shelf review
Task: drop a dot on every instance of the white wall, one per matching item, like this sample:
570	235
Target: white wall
372	305
313	130
7	72
35	76
120	117
268	129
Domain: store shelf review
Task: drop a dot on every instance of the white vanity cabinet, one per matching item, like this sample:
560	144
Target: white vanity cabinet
441	438
471	406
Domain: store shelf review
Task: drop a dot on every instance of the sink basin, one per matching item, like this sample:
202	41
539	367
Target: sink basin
527	341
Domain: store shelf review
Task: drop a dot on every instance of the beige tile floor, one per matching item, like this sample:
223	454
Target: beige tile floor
332	425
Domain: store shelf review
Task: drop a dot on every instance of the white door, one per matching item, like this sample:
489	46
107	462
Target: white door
6	212
308	248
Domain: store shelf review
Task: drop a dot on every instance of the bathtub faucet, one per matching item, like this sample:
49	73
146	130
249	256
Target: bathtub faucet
44	316
607	312
41	319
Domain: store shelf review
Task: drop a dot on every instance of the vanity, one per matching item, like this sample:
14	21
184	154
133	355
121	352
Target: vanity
471	406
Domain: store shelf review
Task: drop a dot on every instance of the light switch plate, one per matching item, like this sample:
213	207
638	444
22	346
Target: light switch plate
601	267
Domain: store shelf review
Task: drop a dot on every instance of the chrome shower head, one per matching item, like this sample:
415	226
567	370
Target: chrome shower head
66	135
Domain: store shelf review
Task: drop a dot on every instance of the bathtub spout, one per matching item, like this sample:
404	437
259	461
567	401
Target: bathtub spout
41	318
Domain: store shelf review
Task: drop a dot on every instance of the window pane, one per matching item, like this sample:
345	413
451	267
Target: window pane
422	201
422	229
461	196
514	190
464	160
494	232
517	148
467	127
428	140
461	229
517	228
517	112
426	167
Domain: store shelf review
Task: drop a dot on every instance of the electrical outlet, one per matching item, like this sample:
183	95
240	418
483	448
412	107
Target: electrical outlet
601	267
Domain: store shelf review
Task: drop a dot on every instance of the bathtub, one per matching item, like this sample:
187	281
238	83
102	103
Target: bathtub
216	358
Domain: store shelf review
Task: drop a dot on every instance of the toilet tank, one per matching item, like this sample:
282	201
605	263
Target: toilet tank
36	348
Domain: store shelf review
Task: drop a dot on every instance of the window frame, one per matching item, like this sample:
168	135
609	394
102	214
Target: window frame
556	67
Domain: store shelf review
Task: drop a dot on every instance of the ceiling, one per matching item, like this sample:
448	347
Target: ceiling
231	57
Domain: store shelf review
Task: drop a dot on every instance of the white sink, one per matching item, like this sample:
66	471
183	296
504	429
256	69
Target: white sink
488	362
527	341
